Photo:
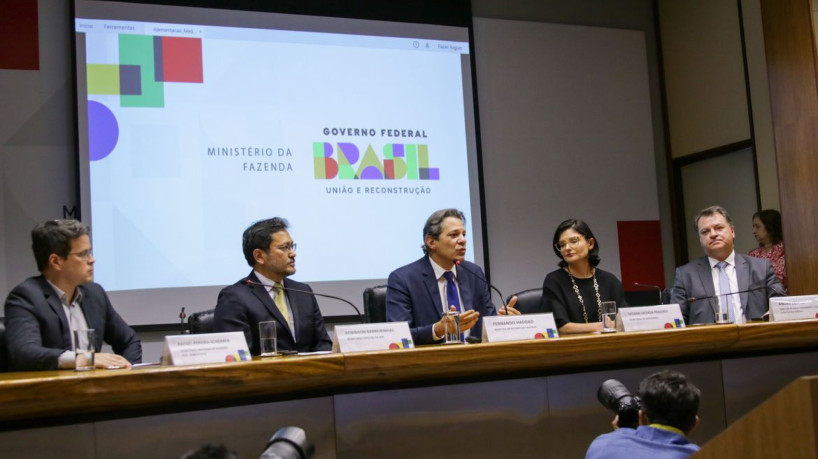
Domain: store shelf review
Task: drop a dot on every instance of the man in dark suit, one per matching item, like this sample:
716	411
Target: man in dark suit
718	277
43	312
416	293
268	295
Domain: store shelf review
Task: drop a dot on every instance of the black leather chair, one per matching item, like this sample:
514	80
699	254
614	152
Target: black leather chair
375	304
3	358
201	322
528	301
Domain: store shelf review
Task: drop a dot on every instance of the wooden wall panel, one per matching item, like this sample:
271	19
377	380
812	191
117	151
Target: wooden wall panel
788	39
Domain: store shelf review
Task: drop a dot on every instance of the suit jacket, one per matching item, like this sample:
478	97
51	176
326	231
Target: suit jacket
37	330
412	295
695	280
241	307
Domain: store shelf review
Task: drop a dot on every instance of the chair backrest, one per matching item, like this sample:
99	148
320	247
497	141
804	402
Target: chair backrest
201	322
3	358
375	304
528	301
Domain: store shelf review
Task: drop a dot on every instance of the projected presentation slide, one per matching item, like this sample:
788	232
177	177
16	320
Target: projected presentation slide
192	132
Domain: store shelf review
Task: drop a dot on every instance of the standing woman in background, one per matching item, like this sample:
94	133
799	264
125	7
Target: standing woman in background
575	292
767	231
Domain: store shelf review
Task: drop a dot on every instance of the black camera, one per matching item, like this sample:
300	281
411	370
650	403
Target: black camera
289	443
613	395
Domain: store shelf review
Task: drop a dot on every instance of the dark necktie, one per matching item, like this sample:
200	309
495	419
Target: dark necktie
452	298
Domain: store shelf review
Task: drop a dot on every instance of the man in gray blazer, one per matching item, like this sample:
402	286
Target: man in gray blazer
740	284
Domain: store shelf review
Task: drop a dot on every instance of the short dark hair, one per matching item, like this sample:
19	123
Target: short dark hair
582	228
712	210
259	236
55	236
434	224
771	219
668	398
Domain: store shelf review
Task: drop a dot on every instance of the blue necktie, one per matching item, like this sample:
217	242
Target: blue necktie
451	292
452	298
724	289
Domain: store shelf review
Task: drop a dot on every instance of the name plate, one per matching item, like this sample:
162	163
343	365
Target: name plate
649	318
519	328
794	308
205	348
373	337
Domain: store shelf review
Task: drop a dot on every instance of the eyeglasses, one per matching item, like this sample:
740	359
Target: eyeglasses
84	255
287	247
573	242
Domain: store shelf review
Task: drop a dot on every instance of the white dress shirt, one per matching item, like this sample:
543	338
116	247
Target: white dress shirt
441	286
76	321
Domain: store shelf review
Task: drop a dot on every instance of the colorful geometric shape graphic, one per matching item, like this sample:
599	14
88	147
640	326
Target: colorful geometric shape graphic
138	50
103	131
130	80
409	161
102	78
426	172
325	166
178	59
348	155
675	324
370	168
404	344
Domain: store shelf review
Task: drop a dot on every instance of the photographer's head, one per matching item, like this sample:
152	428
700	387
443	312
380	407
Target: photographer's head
667	398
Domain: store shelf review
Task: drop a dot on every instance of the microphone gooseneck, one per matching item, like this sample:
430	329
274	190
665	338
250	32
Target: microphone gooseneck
502	298
182	316
251	283
655	287
695	299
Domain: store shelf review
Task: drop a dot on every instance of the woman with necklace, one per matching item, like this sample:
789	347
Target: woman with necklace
767	231
575	292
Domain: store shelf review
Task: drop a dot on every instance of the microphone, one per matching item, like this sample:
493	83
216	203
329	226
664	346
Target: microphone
694	299
182	316
502	298
251	283
655	287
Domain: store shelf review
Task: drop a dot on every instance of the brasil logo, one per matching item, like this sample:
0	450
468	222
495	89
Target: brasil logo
400	161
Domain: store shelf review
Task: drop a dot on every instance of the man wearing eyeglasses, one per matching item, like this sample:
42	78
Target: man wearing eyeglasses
43	312
267	294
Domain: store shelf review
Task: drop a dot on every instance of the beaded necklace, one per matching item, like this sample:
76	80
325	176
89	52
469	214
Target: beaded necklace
581	301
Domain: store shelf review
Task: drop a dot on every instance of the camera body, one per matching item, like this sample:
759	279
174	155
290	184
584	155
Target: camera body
613	395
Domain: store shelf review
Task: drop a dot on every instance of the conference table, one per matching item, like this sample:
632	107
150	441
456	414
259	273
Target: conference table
523	399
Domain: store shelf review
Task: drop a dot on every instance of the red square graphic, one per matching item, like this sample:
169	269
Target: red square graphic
182	59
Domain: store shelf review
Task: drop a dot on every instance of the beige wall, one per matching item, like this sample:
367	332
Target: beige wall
760	97
704	74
